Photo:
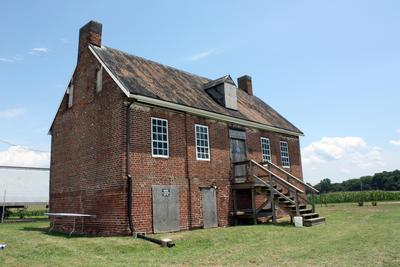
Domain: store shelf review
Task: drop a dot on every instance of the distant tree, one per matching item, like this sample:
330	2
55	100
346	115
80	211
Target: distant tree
325	185
388	181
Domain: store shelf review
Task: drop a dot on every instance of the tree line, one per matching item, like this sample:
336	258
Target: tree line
387	181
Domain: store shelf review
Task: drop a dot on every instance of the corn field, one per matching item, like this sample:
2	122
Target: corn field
366	196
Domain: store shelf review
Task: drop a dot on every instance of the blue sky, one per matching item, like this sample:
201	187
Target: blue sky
331	67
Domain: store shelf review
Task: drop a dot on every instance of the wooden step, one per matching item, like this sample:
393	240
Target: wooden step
284	199
305	211
313	221
309	215
293	207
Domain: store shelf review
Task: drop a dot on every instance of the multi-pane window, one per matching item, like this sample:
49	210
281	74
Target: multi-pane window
265	149
159	137
285	154
202	143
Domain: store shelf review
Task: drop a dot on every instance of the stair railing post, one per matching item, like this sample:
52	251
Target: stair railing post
250	170
273	204
253	205
297	203
313	201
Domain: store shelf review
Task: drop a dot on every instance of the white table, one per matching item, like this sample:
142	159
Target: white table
72	215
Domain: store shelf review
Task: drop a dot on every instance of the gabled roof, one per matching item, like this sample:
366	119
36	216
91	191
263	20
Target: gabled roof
143	77
225	79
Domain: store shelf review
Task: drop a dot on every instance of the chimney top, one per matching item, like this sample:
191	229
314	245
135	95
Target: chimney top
91	26
89	34
245	84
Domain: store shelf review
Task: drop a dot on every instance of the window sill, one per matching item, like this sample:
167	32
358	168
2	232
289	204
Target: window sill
160	157
203	159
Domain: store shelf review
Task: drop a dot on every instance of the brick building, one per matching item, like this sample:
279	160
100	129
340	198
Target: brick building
149	148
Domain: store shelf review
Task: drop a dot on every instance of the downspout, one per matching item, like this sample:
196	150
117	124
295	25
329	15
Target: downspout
127	166
190	217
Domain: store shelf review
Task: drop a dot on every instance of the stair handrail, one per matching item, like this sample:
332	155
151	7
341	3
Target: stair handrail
291	176
277	177
275	190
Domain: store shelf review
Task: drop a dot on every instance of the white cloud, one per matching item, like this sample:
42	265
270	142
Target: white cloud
12	113
331	148
6	60
17	57
19	156
202	55
394	142
340	158
38	50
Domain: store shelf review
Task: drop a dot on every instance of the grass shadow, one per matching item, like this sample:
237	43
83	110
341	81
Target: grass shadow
45	231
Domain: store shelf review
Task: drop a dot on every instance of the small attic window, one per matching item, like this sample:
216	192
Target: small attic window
223	91
99	80
70	92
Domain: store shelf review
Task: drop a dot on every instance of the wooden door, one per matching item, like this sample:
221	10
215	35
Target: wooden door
210	218
238	152
165	208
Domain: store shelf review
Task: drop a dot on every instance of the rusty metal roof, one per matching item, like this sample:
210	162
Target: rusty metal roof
148	78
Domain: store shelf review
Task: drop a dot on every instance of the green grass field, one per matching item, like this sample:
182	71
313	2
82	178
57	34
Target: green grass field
353	236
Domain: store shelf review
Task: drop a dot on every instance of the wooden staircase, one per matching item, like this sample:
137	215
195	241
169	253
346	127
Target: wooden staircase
283	193
310	217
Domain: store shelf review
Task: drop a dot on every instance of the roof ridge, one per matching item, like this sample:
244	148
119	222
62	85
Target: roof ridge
158	63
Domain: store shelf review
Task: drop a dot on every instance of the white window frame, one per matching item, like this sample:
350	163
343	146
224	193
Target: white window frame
285	159
160	141
99	80
208	143
70	95
266	151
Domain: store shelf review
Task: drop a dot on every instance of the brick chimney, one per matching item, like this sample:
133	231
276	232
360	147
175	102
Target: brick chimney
245	84
89	34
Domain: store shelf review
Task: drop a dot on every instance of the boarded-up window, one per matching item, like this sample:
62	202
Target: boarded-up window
99	80
70	92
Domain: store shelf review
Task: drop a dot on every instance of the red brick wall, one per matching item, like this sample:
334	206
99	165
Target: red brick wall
88	159
182	168
87	173
147	171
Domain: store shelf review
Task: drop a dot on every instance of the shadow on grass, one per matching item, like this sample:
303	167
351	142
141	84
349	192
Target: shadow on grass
282	224
268	224
45	231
